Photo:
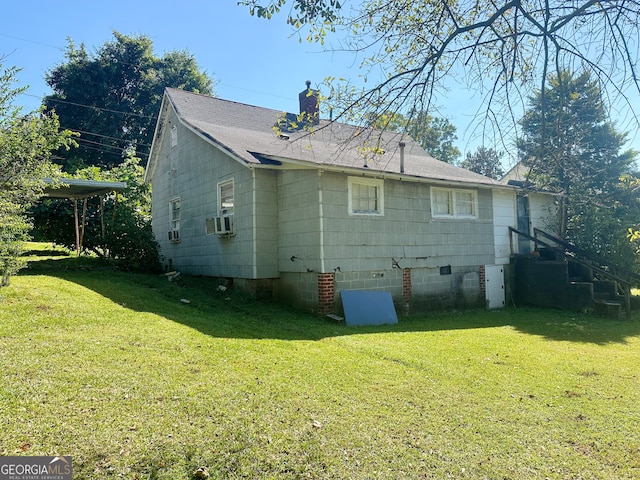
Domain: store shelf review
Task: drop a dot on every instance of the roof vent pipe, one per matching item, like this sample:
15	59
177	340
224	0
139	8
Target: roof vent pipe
402	145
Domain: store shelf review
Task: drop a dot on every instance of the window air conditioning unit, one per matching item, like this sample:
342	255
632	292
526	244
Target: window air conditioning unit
174	235
221	225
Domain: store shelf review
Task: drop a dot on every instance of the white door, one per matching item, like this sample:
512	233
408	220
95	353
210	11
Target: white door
494	279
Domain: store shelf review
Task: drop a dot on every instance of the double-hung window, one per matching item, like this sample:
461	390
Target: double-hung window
366	196
453	203
174	214
225	197
222	224
174	219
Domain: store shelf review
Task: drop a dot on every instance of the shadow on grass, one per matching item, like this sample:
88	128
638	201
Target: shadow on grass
199	303
44	253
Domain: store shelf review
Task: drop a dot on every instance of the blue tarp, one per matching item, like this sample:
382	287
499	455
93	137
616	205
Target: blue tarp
363	307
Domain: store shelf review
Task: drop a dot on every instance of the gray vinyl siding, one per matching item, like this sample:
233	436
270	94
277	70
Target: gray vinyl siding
405	236
370	251
292	224
266	219
191	171
298	221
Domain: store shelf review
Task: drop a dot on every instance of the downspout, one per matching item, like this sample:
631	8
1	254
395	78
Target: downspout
254	225
321	217
402	145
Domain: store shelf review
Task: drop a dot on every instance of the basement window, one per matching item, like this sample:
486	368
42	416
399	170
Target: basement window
453	203
446	270
366	196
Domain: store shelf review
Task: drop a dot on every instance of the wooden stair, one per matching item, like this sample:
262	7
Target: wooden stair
559	275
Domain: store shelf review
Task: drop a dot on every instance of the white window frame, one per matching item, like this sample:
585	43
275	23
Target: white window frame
174	220
221	210
174	223
174	136
454	203
368	182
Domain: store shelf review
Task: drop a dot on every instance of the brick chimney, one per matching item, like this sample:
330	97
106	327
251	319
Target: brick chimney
309	104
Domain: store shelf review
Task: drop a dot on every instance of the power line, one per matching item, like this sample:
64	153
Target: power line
93	142
31	41
105	148
88	143
82	141
104	136
102	109
151	117
219	82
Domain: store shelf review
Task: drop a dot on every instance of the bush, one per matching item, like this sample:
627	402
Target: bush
12	235
26	143
116	227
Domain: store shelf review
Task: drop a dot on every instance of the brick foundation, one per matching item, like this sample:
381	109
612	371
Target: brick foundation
326	293
406	284
406	289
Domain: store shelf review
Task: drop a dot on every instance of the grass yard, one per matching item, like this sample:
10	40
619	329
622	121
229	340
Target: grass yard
117	371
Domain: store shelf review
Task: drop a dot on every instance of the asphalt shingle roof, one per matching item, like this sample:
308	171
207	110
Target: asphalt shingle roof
247	132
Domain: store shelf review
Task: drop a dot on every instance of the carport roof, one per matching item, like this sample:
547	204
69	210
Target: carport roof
79	188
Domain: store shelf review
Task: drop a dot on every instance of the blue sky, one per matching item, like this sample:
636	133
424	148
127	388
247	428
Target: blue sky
253	60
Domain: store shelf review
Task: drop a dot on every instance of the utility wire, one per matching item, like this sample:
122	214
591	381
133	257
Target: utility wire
89	144
101	108
104	136
151	117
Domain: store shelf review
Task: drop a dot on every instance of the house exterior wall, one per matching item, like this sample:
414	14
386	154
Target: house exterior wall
191	171
299	247
542	215
297	288
293	226
543	211
266	224
504	216
406	235
318	234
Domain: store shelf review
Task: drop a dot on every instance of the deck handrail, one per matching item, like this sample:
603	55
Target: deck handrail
625	284
620	271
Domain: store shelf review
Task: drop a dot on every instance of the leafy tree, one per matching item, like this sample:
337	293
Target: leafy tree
112	98
435	134
485	161
502	50
571	146
118	226
26	144
632	185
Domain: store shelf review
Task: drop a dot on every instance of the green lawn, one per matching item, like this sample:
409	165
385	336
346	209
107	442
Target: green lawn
117	371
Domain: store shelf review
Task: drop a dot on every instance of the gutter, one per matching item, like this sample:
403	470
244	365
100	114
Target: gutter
321	226
286	164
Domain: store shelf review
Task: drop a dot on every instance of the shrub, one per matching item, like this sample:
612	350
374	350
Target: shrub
117	226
